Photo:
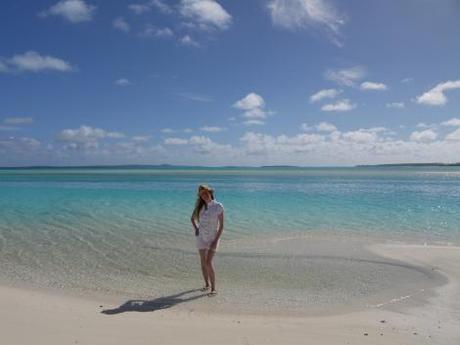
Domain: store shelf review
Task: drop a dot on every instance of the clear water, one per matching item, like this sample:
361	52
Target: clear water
129	229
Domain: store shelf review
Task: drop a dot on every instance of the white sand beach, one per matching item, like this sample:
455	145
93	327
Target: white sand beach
44	317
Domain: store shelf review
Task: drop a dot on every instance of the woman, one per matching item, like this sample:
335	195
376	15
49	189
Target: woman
208	222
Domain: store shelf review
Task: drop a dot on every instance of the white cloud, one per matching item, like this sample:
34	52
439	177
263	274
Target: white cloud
188	41
360	136
75	11
146	7
455	122
407	80
340	105
368	85
18	120
152	31
167	130
19	145
425	136
34	62
139	8
307	14
299	139
121	24
122	82
261	144
212	129
397	105
322	94
436	95
253	106
346	76
86	137
306	128
250	101
205	13
175	141
454	136
325	127
164	32
254	123
159	4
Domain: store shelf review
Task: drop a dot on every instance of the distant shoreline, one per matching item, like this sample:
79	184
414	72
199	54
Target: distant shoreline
171	166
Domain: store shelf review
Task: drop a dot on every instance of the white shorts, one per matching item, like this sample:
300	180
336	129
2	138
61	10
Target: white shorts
205	244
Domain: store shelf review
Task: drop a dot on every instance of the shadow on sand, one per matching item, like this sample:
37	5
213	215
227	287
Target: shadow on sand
155	304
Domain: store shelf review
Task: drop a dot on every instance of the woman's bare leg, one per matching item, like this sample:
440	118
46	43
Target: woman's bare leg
210	267
204	268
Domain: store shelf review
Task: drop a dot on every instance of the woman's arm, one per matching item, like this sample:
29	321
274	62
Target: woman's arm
219	231
195	226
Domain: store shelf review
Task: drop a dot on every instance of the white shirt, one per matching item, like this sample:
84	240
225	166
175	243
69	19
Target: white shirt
209	220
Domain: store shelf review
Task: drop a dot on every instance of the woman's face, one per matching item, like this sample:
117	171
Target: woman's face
205	195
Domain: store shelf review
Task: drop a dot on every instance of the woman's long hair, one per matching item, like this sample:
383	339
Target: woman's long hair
199	203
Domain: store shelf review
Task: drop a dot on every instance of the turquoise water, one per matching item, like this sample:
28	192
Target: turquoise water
407	201
129	229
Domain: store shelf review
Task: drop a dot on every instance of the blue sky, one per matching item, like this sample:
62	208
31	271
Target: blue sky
304	82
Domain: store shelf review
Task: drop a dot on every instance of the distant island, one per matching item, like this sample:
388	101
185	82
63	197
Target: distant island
410	165
172	166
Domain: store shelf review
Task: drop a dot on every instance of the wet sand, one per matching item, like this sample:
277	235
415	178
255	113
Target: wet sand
388	316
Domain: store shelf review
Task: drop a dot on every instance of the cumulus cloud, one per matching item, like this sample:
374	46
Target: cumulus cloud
253	106
122	82
340	105
425	136
19	145
155	32
346	76
453	136
254	123
258	143
322	94
175	141
368	85
307	14
397	105
189	41
148	6
455	122
360	136
75	11
207	14
32	61
251	101
86	137
161	5
325	127
436	95
139	8
121	24
212	129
